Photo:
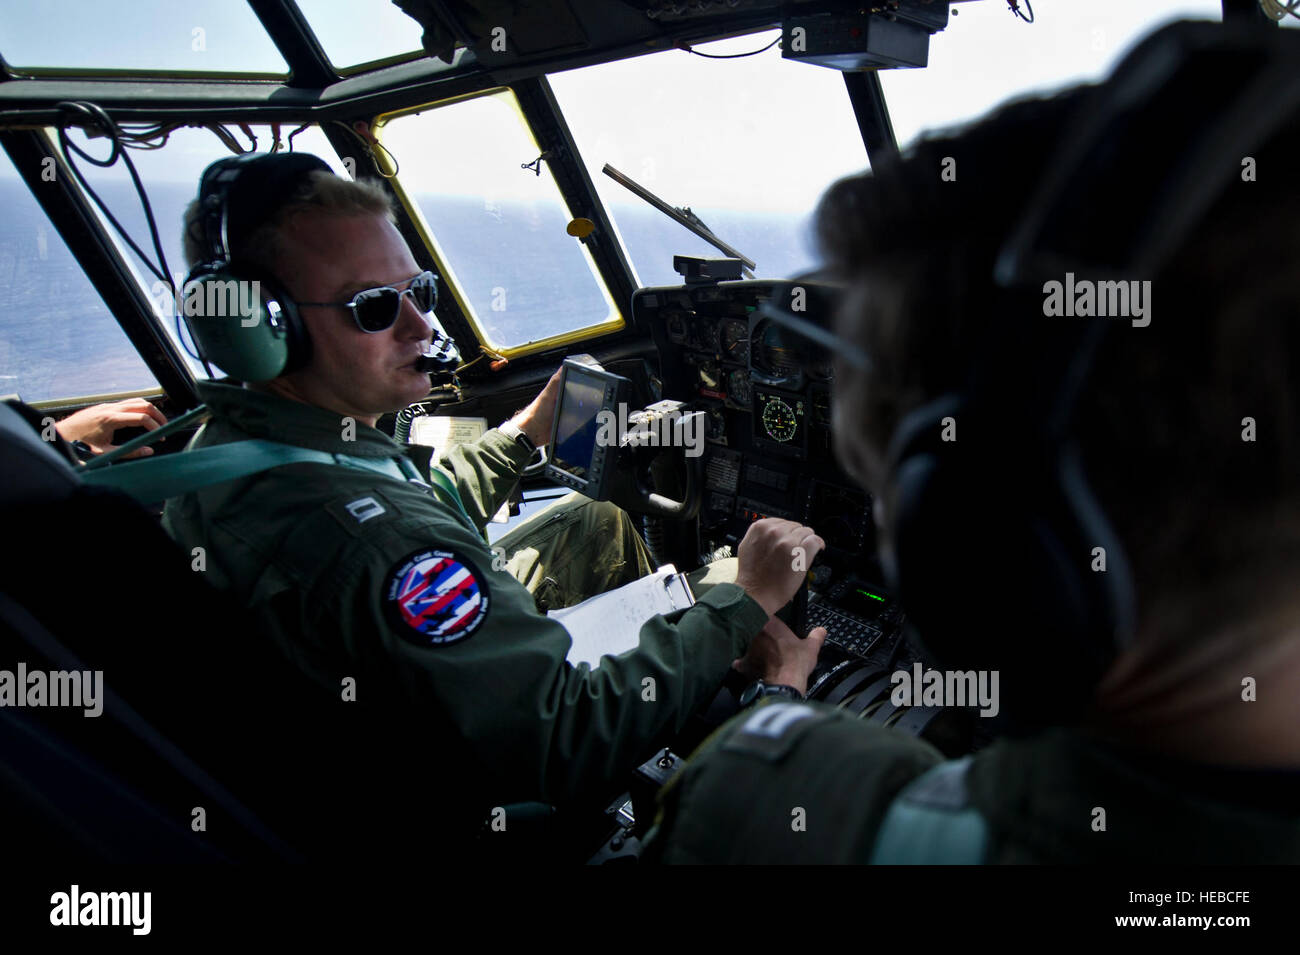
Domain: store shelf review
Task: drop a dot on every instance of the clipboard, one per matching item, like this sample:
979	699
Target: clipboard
610	623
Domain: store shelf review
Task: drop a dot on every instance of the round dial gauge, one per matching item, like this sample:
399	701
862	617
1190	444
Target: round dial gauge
707	333
735	341
779	421
738	389
776	353
710	376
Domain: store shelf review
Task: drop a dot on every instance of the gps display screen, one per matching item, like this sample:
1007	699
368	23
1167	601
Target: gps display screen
577	427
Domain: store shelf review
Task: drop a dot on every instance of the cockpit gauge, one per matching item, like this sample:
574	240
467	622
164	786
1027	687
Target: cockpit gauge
779	420
735	341
675	325
715	426
821	404
778	357
710	378
706	332
821	370
739	392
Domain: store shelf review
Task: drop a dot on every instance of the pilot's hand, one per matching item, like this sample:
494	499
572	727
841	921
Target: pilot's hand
778	656
95	425
535	420
773	560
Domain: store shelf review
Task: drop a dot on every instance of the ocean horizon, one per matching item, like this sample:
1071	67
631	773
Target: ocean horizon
58	339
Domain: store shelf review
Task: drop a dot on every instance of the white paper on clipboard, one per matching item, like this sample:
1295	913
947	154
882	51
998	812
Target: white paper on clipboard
610	623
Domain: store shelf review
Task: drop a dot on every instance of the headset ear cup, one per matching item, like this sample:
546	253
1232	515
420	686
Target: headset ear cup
912	458
931	543
975	576
990	555
275	299
239	326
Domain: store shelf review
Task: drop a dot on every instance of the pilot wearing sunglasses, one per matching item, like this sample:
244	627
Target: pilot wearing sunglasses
383	590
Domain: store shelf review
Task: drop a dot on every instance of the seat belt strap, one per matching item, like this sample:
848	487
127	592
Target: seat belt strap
156	479
444	485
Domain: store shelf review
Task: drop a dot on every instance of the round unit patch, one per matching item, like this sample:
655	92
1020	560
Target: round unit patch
435	598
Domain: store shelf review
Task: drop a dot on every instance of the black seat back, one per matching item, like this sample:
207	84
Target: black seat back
88	582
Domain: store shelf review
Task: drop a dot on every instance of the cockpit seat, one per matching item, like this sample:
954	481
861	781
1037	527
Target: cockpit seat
89	582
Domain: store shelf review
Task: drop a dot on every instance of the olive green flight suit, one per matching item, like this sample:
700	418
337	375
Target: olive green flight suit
735	799
359	575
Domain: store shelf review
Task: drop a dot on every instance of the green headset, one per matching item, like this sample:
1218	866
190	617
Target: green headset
240	318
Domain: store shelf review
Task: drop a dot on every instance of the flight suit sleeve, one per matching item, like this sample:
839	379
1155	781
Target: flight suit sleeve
785	783
485	471
438	625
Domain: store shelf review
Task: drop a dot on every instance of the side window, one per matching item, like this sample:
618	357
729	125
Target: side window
497	229
171	179
57	337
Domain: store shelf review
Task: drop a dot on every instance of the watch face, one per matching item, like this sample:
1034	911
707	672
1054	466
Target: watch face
751	693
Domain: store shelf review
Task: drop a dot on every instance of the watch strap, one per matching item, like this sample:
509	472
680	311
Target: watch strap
516	434
759	690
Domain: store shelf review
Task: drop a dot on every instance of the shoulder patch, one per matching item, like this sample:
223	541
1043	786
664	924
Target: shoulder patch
435	598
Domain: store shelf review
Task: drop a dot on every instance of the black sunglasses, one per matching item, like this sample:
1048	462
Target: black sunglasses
376	309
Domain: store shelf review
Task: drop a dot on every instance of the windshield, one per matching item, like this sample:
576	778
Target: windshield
988	56
747	142
750	143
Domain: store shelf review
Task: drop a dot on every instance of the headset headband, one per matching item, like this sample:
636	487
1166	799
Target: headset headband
238	194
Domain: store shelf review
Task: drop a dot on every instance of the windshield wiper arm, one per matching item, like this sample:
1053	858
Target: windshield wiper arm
685	217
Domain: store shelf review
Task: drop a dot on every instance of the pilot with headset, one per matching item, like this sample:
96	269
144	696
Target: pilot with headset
366	562
1113	520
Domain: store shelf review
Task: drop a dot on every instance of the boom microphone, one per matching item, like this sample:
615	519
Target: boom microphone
440	354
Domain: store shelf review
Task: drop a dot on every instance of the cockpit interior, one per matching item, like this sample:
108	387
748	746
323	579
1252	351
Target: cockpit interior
624	183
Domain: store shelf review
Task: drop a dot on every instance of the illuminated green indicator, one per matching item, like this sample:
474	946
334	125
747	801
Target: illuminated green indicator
869	594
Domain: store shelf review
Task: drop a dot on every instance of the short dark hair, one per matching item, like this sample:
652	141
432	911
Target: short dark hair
1160	423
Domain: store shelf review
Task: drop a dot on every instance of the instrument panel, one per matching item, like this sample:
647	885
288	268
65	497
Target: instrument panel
766	393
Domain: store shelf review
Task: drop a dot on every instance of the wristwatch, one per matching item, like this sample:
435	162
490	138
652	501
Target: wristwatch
758	689
512	430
